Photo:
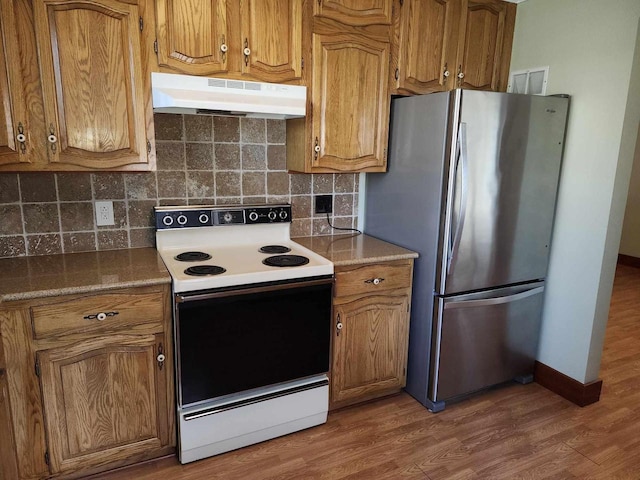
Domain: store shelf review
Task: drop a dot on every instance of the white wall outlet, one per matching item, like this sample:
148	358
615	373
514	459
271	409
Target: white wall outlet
104	213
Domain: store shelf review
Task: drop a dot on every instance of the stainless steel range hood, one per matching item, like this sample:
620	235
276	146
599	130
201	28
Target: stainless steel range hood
217	96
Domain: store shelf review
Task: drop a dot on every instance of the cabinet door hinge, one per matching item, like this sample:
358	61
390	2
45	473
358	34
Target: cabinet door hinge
302	63
155	46
46	458
148	147
404	371
37	367
141	22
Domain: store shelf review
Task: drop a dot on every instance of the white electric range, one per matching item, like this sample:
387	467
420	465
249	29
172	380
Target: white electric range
252	314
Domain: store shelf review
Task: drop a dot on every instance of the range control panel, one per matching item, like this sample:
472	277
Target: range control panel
209	216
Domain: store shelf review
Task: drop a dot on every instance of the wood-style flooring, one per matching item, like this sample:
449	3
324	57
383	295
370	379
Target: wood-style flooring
515	432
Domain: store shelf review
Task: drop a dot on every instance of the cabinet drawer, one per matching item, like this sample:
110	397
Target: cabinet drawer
94	313
373	278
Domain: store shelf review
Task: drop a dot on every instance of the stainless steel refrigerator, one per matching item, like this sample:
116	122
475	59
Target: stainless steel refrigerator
471	186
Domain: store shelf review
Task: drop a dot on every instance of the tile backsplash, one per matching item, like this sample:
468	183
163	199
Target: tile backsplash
200	160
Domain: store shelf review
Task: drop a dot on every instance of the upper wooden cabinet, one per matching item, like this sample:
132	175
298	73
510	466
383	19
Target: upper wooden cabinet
74	96
488	36
15	141
252	39
92	84
193	35
355	12
444	44
347	128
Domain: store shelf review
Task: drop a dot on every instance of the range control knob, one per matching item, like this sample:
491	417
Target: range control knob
253	216
227	217
204	218
182	219
272	215
283	214
167	220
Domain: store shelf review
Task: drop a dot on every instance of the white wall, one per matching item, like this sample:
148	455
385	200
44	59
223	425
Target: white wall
630	242
589	46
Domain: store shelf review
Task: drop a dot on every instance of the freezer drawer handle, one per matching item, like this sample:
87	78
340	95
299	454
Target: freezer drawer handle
375	281
494	301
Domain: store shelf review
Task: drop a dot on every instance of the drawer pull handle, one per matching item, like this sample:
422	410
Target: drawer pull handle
160	358
375	281
101	316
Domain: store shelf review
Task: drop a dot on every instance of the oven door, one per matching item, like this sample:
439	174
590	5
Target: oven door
232	340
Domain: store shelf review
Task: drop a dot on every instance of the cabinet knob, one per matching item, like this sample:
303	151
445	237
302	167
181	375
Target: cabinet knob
52	138
224	48
375	281
316	149
160	358
21	138
101	316
246	51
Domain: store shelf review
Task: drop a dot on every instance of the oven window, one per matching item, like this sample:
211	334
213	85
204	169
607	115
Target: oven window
244	341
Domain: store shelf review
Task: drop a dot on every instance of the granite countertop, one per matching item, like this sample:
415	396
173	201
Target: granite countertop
355	249
24	278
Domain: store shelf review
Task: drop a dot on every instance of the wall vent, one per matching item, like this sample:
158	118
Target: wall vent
532	81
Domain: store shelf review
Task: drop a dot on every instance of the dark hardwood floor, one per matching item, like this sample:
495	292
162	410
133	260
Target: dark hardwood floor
515	432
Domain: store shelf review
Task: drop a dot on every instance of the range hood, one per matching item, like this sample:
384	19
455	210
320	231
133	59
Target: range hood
218	96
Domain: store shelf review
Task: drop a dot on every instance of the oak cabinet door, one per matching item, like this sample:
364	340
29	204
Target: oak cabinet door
105	400
15	144
487	37
193	35
427	45
91	71
8	466
350	103
355	12
271	37
369	346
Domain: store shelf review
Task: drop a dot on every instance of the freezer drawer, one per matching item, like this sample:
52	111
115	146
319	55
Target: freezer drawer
483	339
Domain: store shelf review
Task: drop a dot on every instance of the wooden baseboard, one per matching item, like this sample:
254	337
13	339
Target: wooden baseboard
582	394
628	260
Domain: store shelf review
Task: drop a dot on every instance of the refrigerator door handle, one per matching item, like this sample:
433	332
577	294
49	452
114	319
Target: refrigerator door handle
494	301
456	233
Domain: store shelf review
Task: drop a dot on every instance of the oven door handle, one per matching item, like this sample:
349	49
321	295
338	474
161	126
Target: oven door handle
252	290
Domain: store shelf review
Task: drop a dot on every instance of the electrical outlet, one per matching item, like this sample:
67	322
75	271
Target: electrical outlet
324	203
104	213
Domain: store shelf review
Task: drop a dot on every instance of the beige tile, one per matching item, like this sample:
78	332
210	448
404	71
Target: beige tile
38	187
112	239
199	156
228	201
76	216
79	242
108	186
202	201
119	216
254	157
12	246
277	183
228	184
200	184
172	201
74	186
9	188
276	131
168	126
10	219
142	237
253	184
323	183
172	184
343	205
253	130
254	200
320	226
301	184
301	227
40	217
141	213
170	155
48	244
227	156
276	157
198	128
226	129
344	182
301	206
271	199
341	222
140	185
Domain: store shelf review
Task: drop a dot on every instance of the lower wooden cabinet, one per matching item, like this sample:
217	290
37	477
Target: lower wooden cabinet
371	331
8	467
89	398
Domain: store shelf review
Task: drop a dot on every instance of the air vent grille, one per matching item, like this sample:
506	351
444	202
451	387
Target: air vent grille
235	84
